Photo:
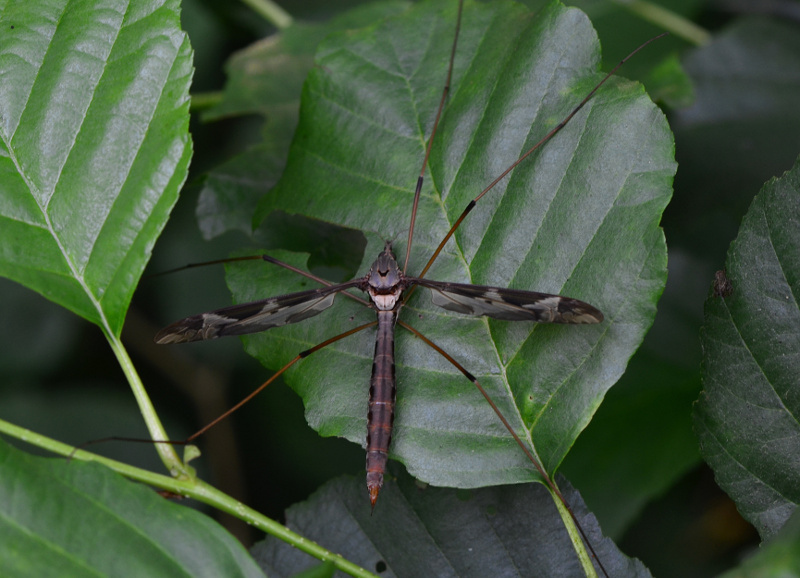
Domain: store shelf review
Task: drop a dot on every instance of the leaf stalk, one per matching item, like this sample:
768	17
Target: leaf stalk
191	488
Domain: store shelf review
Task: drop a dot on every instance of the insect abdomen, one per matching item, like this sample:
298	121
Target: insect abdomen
382	393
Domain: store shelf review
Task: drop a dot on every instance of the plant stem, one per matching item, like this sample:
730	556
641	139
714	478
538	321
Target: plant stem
575	537
668	20
272	12
191	488
166	451
205	100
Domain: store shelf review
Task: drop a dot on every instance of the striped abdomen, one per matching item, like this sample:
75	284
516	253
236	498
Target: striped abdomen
382	393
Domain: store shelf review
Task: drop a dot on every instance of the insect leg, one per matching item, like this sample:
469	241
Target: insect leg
266	258
550	483
298	357
204	264
530	151
311	276
445	92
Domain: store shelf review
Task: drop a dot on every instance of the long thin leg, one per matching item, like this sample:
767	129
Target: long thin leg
510	429
268	259
313	277
204	264
260	388
421	178
530	151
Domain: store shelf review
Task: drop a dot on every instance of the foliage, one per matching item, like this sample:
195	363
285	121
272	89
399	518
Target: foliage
94	123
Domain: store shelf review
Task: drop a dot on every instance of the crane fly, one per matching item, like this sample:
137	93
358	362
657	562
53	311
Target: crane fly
546	220
385	284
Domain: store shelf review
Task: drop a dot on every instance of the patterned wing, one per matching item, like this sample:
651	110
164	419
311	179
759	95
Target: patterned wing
252	317
509	304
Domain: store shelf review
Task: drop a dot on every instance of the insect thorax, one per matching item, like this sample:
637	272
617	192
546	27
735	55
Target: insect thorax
385	281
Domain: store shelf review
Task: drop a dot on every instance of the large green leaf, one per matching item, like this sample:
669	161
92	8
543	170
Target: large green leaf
266	78
95	146
508	531
579	218
68	518
747	415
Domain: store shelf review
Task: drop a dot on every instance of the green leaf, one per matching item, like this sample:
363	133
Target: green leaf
579	218
510	531
776	557
269	74
266	78
67	518
641	442
670	83
747	415
94	146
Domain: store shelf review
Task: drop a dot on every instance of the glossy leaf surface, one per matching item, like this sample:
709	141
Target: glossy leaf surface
579	218
94	146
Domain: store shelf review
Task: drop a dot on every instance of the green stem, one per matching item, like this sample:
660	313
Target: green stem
195	489
166	451
204	100
574	536
272	12
668	20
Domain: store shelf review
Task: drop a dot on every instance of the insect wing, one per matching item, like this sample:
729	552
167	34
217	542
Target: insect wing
252	317
510	304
